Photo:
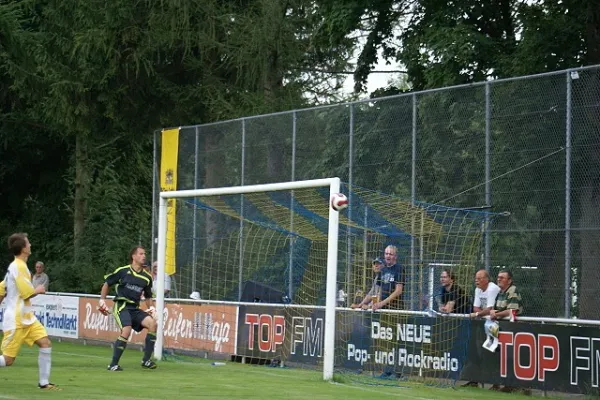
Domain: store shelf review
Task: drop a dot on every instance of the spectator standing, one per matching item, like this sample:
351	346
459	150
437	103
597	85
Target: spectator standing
154	276
40	277
374	294
485	299
508	304
391	281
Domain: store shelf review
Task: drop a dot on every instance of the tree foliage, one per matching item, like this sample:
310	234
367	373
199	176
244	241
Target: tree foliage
85	83
444	43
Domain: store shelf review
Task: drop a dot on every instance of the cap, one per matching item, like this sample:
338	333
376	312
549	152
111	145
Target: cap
378	260
195	295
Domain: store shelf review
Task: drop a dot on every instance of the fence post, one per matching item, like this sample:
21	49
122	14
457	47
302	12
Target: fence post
195	217
488	182
292	237
413	200
349	287
241	235
568	196
155	191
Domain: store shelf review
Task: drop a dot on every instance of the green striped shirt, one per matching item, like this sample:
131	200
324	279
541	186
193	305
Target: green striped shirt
509	299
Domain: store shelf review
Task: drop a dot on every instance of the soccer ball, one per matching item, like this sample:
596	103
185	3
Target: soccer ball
339	201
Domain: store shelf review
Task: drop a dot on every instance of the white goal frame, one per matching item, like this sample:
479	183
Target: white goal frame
332	254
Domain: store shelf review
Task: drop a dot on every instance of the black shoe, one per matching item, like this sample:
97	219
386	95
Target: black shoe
149	364
49	386
470	384
114	368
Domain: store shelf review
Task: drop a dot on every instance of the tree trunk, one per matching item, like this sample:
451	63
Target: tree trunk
272	85
592	33
82	188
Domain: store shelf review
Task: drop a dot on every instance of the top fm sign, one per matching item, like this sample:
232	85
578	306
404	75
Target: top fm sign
535	355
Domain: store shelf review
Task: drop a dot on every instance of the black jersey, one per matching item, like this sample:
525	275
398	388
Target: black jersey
129	284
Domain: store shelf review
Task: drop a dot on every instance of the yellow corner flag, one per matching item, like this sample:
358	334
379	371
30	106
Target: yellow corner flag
168	182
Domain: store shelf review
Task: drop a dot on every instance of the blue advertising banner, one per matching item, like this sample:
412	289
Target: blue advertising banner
407	345
365	341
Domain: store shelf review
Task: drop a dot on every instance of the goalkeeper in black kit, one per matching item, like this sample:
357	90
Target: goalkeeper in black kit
131	281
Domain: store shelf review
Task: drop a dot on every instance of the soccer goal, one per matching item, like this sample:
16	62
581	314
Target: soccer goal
273	270
215	196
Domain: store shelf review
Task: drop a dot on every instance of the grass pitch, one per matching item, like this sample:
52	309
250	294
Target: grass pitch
81	373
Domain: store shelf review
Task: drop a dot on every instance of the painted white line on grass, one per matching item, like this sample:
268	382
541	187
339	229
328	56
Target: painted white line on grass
365	389
6	397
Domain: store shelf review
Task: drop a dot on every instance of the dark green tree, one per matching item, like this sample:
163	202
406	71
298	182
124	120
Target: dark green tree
95	79
442	44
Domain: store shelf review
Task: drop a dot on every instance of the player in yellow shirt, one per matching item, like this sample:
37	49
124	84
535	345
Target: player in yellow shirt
20	324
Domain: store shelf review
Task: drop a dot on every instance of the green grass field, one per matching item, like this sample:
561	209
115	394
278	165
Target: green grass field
81	373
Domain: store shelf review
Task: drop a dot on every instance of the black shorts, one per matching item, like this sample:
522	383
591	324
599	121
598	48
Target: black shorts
127	314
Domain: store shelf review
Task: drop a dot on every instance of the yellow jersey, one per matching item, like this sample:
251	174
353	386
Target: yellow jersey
18	289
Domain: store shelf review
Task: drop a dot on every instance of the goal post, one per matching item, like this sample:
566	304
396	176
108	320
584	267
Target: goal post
332	253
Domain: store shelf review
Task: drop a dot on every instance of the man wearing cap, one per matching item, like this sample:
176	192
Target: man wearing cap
374	294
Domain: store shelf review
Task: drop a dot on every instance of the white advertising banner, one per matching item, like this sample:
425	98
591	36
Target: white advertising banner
59	314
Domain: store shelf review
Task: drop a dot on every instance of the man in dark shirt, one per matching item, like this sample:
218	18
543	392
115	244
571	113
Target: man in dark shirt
391	281
131	281
453	298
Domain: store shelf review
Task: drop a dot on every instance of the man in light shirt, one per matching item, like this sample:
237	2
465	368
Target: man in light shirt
485	294
154	276
485	298
40	277
20	324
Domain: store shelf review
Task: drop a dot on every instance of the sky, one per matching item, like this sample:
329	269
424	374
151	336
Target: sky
376	80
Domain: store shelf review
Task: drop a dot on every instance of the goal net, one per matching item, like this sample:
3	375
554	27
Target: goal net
282	269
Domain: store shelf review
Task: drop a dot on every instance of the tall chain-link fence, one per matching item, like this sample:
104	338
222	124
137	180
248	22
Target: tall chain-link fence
528	148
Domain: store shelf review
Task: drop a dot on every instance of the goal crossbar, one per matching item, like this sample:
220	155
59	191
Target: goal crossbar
267	187
332	254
